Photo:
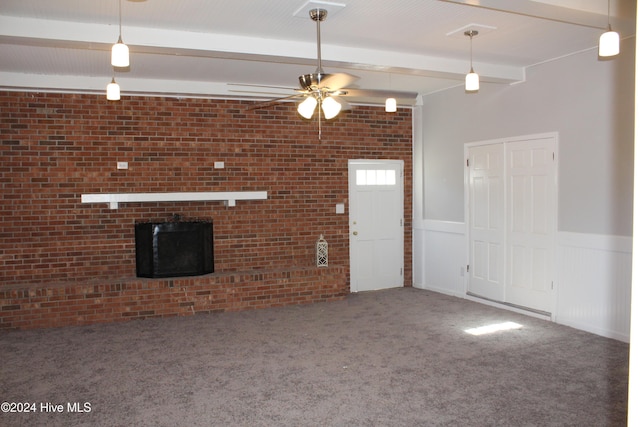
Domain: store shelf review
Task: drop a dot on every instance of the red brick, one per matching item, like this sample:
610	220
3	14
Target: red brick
51	155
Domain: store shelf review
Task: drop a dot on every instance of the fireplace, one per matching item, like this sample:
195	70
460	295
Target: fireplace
174	248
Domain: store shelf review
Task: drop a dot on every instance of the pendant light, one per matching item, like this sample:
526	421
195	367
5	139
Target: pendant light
472	81
609	41
120	51
113	90
390	105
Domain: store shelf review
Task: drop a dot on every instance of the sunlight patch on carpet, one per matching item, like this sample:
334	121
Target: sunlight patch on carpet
496	327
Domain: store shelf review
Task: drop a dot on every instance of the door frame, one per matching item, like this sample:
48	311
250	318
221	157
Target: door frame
355	162
553	267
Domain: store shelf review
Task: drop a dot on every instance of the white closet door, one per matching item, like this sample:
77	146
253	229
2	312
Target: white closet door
512	190
486	221
531	222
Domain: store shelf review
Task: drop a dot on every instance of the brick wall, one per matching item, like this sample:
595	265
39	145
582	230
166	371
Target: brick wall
119	300
55	147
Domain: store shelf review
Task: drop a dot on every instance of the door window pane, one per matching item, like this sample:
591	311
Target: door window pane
376	177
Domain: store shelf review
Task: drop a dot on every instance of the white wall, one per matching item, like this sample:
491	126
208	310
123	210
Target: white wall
590	103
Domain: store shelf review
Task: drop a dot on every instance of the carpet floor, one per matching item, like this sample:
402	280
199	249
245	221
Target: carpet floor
397	357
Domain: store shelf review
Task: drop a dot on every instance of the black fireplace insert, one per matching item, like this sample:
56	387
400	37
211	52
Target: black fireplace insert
174	248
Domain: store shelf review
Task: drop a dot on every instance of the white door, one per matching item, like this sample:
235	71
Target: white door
512	193
376	229
531	222
486	221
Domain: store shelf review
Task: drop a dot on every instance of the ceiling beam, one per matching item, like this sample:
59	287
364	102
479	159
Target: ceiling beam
560	11
74	35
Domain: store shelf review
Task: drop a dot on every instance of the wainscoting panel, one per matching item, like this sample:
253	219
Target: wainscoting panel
440	257
594	283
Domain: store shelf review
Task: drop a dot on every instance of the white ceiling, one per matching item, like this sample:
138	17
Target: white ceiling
199	47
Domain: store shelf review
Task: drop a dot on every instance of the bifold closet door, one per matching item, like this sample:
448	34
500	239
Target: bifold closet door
486	221
512	192
531	223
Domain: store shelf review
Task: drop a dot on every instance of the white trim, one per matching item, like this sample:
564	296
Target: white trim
596	241
507	307
442	226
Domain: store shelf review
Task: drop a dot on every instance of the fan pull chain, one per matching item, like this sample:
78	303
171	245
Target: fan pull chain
319	121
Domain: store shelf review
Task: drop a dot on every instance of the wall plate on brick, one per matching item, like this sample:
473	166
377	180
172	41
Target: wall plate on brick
218	165
122	165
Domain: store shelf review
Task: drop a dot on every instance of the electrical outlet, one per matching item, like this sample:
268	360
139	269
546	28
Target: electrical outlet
218	165
122	165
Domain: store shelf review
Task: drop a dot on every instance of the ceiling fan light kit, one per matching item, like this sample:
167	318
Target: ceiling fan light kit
330	107
307	107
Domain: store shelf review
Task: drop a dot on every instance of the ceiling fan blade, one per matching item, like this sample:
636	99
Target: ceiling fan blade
404	97
265	86
337	81
343	102
266	104
256	93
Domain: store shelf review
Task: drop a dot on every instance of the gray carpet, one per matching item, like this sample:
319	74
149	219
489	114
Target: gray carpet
388	358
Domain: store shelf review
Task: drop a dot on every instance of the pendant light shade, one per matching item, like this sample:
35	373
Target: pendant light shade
307	107
472	80
390	105
120	54
609	44
330	107
113	90
120	51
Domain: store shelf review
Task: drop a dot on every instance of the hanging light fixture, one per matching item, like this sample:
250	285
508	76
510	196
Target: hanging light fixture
472	81
609	41
113	90
120	51
390	105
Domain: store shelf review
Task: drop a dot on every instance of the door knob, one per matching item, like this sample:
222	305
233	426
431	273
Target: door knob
355	233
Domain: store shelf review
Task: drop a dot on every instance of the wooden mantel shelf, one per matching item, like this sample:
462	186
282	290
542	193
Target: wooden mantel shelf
229	197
